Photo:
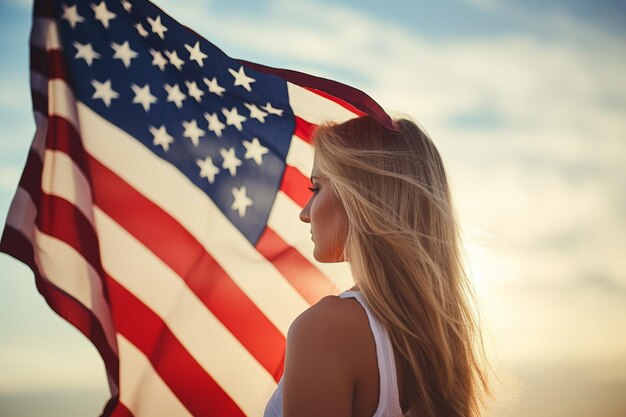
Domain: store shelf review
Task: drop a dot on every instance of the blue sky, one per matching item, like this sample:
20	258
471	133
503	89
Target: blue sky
526	103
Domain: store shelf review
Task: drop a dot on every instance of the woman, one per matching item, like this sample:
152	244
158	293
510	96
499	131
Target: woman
403	340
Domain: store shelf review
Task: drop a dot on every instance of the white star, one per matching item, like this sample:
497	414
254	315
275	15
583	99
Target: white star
161	137
157	27
143	96
207	169
158	59
254	150
85	52
233	118
242	202
271	110
193	132
123	53
127	5
174	59
104	91
142	32
255	112
231	162
194	91
214	87
196	54
103	14
214	123
175	95
71	15
241	78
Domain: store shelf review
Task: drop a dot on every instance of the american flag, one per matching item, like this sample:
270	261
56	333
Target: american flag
159	204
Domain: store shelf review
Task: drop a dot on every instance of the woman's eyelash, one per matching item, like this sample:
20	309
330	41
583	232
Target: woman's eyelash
313	189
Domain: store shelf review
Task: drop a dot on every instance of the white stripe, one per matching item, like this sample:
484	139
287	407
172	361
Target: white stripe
45	34
39	141
62	178
285	221
143	392
61	102
300	156
211	344
61	264
314	108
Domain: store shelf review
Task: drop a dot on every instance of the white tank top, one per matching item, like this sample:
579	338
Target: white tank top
388	399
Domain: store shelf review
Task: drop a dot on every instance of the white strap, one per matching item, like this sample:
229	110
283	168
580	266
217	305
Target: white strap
389	400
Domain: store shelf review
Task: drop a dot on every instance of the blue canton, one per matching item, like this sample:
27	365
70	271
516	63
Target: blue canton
226	127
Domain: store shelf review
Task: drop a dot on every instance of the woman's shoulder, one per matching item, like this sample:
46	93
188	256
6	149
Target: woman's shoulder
331	316
334	325
326	350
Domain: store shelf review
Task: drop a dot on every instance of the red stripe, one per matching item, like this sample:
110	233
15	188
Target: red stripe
62	137
119	411
304	130
202	274
349	97
296	185
337	100
15	244
31	177
200	394
301	274
43	9
50	64
40	102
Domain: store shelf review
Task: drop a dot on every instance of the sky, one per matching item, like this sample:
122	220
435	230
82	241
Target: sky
526	103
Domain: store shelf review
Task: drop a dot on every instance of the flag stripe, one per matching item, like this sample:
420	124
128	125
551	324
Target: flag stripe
285	222
337	100
45	34
161	290
305	277
48	63
315	109
353	100
16	244
142	386
119	410
168	358
300	156
59	262
304	129
295	185
67	141
63	178
190	262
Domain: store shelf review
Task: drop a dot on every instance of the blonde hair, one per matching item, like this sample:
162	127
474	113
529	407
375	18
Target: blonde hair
403	247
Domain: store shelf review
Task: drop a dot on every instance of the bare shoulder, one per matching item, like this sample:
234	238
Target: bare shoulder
331	313
329	321
322	361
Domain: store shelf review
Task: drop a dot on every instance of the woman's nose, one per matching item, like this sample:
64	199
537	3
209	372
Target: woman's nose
304	214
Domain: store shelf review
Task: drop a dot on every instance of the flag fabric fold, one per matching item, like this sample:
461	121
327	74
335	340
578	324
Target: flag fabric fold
158	208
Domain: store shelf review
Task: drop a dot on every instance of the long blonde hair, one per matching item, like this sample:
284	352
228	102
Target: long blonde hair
404	250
